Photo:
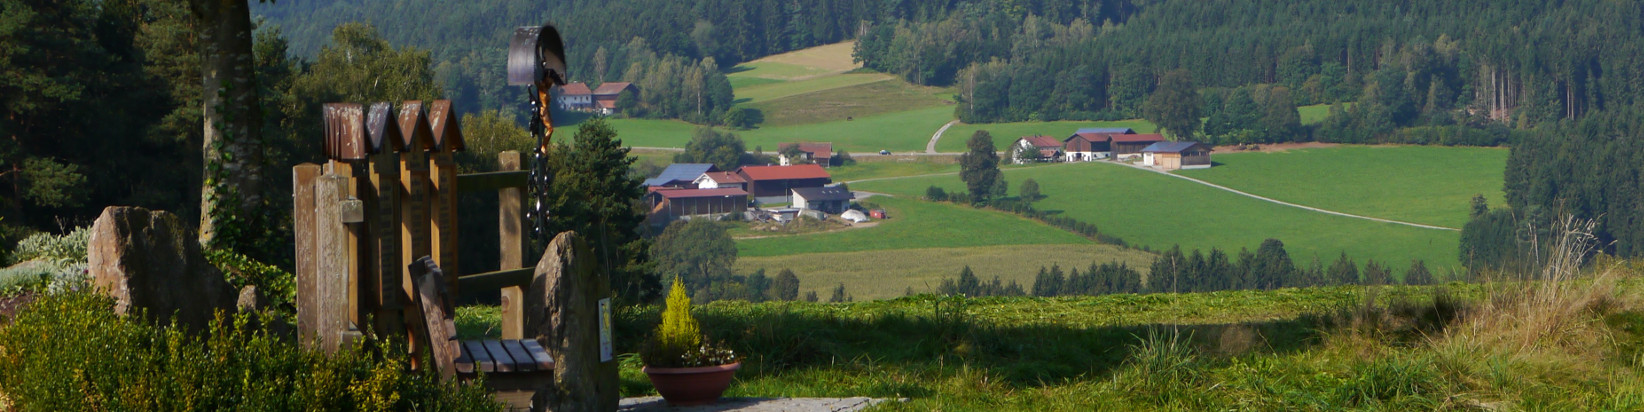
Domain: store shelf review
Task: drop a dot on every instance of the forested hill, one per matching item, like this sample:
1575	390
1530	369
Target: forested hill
468	39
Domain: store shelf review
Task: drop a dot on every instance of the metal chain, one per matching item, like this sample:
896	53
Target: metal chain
537	213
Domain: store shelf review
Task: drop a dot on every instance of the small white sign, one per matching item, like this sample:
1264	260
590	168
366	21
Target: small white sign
605	330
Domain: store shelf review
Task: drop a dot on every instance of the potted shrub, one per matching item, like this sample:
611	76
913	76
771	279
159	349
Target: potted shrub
684	368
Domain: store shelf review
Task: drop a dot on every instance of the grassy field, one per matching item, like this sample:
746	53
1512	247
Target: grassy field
1149	209
764	92
1006	133
874	166
864	100
884	274
1421	184
1316	113
915	224
905	131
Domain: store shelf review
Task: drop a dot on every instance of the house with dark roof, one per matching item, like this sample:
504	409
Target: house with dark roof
1128	146
680	175
1036	149
819	153
1087	147
720	180
1176	155
669	204
575	97
1105	130
605	96
828	199
773	184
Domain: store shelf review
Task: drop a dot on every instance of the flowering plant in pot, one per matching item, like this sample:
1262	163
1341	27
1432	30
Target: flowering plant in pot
685	368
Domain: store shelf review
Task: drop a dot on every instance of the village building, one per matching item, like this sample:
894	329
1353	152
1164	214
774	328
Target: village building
828	199
1036	149
1091	143
1177	155
819	153
1129	146
669	204
605	97
575	97
773	184
681	175
720	180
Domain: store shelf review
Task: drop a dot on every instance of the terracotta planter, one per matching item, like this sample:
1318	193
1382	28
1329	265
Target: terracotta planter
692	386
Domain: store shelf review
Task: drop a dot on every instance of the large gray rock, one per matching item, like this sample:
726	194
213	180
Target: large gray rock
150	260
562	313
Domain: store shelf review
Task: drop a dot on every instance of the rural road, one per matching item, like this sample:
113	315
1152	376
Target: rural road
931	147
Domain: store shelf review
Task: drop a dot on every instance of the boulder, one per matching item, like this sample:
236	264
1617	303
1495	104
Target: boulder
562	313
150	260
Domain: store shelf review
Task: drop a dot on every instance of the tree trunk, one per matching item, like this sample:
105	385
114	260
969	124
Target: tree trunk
232	146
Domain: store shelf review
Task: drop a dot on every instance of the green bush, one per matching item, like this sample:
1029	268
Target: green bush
61	249
41	275
240	271
69	351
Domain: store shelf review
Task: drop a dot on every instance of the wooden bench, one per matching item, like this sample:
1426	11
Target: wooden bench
514	368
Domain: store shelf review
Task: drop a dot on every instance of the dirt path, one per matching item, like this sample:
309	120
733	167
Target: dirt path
930	148
1281	202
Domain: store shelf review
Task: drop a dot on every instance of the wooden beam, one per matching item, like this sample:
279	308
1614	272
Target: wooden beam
511	230
302	216
501	279
331	280
492	181
443	215
382	282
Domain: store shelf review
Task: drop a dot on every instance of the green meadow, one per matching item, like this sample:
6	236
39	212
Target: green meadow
916	224
863	100
889	273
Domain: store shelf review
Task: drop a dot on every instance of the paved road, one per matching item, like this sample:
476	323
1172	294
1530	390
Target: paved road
931	147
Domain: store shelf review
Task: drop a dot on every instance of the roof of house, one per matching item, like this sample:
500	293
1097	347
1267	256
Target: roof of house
1047	152
1042	141
824	149
575	89
696	193
1105	130
1137	138
827	193
724	177
611	88
680	172
807	171
1170	147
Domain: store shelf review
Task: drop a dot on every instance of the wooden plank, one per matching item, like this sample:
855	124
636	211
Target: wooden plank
505	362
331	282
413	211
356	246
498	280
436	322
482	357
511	230
302	216
443	215
382	283
492	181
543	360
464	363
522	359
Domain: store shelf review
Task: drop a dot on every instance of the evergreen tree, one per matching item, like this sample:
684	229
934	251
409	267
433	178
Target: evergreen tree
592	194
1376	274
839	295
1344	272
786	285
1418	274
979	167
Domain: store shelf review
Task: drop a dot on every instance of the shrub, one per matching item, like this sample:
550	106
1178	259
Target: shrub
278	285
63	249
678	342
38	275
69	351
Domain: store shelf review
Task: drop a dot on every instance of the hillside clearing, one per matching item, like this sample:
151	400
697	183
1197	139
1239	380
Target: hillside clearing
864	100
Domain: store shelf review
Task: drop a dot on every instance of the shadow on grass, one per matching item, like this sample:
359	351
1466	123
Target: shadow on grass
779	340
738	69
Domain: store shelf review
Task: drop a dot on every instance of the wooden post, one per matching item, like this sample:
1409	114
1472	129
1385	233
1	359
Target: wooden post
413	213
443	214
382	282
357	244
511	228
333	264
302	213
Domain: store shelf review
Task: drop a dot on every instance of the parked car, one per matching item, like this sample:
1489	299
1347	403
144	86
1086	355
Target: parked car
884	152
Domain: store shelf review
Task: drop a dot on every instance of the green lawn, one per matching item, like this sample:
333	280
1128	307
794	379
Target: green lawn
888	273
874	166
916	224
1316	113
1006	133
864	100
1149	209
642	132
775	71
1422	184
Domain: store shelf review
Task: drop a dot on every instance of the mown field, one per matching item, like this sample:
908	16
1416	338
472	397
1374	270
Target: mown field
915	224
875	166
1421	184
864	100
1006	133
1150	209
885	274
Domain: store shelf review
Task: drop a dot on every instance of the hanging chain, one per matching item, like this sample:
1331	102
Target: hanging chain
540	177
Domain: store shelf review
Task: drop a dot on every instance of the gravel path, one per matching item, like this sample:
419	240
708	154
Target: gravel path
655	403
930	148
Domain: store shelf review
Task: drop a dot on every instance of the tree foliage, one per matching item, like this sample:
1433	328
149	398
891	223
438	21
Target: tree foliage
724	149
1175	105
592	194
979	167
696	250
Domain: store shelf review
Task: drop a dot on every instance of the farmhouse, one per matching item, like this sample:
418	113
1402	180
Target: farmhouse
772	184
819	153
720	180
681	175
1091	143
1126	146
1036	149
575	97
829	199
1177	155
668	204
605	96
